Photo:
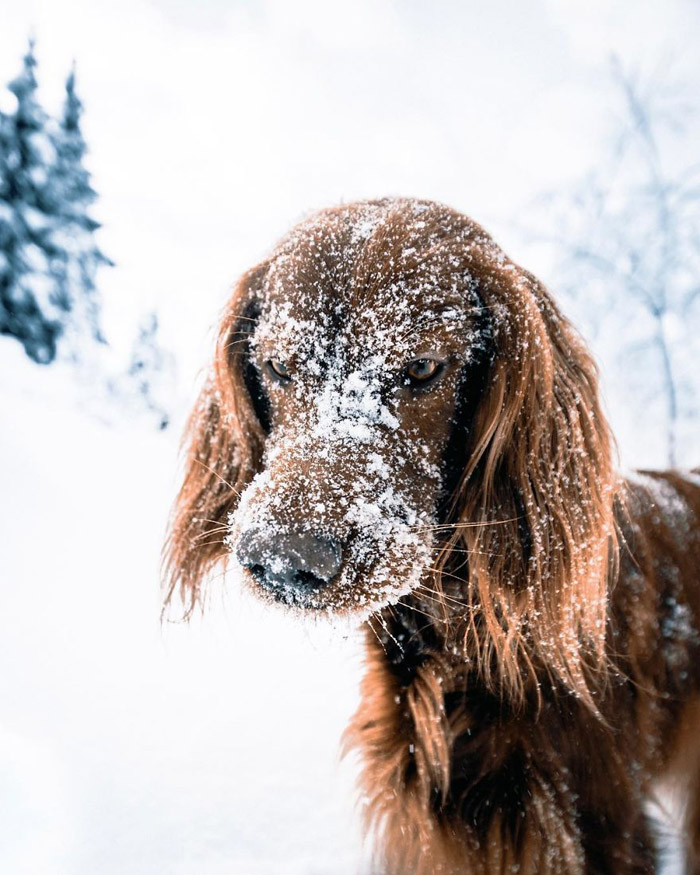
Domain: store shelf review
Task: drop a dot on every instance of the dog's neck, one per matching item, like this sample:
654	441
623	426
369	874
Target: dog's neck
420	630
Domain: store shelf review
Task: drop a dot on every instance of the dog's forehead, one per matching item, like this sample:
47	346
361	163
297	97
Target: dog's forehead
360	277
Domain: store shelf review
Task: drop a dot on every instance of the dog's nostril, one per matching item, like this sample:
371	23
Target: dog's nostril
300	560
258	571
306	578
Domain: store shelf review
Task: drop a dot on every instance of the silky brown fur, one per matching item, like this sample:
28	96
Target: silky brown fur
522	702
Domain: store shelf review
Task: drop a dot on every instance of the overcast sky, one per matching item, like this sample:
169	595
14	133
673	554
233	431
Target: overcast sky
214	125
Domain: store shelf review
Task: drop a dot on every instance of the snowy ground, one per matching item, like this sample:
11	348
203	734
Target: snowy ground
124	746
130	747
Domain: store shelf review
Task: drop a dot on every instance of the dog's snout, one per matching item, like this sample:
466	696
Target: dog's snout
300	560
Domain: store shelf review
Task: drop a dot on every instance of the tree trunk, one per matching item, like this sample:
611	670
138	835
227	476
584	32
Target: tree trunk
669	389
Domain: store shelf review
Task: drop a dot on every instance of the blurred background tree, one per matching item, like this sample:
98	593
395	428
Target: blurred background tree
146	386
27	218
627	252
76	257
50	259
48	255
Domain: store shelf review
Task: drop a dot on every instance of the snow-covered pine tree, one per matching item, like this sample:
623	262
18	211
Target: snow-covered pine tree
77	259
26	248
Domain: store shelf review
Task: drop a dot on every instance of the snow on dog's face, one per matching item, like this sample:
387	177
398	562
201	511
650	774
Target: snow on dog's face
358	339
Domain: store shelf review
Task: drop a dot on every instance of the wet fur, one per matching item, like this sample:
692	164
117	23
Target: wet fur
520	706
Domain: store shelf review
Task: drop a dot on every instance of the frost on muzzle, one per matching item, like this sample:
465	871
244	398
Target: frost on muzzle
340	517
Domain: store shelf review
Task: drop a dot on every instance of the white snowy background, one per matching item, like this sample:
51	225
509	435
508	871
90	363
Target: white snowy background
127	747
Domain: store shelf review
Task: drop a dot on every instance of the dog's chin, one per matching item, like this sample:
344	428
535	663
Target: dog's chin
342	599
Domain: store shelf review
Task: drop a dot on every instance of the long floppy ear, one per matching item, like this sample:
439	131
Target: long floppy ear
222	446
535	501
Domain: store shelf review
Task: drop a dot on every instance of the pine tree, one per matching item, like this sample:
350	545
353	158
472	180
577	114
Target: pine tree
78	257
26	247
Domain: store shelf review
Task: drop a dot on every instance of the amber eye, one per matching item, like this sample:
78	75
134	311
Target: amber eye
279	369
423	370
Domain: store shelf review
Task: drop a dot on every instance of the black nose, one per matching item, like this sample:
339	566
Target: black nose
299	561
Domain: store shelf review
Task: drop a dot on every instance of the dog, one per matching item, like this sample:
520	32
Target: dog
401	428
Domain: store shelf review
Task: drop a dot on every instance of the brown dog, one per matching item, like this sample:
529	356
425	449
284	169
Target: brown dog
401	427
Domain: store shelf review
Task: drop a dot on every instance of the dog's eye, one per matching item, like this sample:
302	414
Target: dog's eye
279	370
422	371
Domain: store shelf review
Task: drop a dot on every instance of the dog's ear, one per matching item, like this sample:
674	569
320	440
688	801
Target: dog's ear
535	498
223	445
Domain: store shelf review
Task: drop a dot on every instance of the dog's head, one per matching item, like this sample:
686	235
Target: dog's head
392	397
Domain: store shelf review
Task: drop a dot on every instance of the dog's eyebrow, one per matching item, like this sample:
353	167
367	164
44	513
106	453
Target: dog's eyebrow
445	313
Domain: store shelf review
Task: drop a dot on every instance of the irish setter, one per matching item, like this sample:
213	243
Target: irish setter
400	427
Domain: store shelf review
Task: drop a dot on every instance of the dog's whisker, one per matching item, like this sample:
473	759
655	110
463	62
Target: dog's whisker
452	610
442	572
480	524
209	532
424	594
240	340
412	607
415	633
205	519
219	477
448	548
443	595
214	534
210	543
376	635
384	626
